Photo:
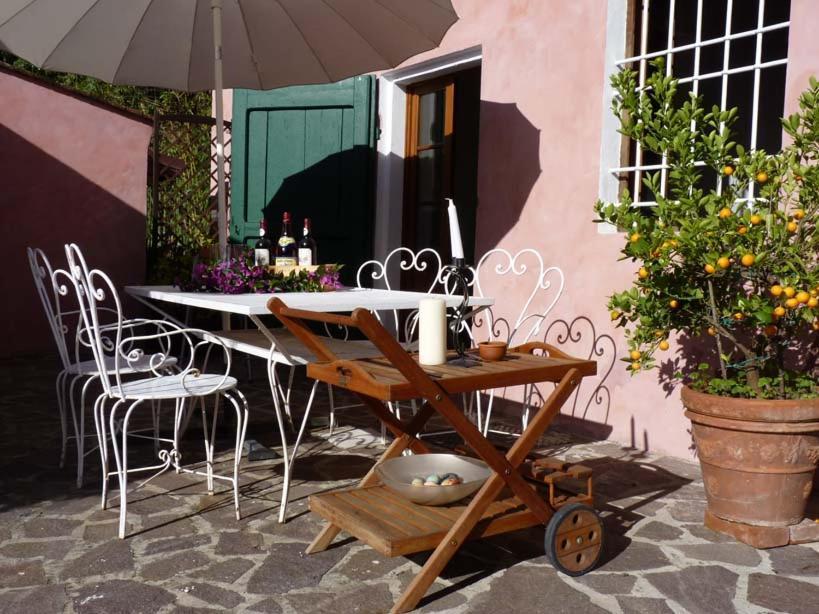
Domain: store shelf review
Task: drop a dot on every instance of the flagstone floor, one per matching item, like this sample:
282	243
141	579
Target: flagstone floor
187	553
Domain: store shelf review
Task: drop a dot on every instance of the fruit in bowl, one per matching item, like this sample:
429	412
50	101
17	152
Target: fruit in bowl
433	479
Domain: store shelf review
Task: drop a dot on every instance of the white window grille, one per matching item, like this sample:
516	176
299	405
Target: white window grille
732	52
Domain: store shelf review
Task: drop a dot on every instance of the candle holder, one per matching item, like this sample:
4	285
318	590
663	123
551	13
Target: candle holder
460	275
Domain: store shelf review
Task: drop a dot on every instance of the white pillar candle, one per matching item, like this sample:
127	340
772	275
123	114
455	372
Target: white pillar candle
432	331
454	231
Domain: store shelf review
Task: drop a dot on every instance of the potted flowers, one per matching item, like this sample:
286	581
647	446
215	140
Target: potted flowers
728	259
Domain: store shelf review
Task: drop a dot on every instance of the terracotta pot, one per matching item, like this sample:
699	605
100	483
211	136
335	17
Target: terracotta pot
758	457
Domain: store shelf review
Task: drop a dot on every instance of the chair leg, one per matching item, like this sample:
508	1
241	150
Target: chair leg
60	385
102	440
294	451
241	430
208	444
180	419
216	402
81	434
155	407
122	463
332	409
488	415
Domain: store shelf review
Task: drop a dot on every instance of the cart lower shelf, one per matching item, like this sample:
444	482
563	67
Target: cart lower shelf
394	526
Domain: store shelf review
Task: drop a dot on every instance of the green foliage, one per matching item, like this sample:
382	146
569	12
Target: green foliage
800	385
144	100
710	259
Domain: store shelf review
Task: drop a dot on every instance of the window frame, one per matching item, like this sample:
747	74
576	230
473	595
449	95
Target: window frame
623	17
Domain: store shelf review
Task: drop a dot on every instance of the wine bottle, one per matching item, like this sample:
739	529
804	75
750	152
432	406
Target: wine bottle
286	247
307	246
262	249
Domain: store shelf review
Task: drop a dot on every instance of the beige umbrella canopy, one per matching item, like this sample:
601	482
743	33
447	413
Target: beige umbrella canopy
190	44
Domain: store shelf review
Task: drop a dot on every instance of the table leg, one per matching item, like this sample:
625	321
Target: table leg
404	438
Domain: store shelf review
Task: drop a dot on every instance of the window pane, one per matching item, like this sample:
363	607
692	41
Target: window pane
775	45
743	52
431	118
429	175
658	26
777	11
685	23
744	15
740	95
771	108
713	18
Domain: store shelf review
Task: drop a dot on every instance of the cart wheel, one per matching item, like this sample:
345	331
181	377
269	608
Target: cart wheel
574	539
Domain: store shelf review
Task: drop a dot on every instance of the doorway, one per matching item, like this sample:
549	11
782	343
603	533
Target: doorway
441	161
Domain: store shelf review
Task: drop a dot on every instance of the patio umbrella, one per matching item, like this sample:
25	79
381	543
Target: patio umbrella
190	44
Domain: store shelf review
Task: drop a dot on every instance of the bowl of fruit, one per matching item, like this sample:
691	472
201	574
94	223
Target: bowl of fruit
433	479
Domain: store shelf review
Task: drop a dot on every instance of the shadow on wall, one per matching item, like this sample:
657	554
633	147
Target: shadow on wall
337	195
46	204
509	157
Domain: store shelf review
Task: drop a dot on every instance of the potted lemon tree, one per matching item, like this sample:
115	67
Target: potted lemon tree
727	264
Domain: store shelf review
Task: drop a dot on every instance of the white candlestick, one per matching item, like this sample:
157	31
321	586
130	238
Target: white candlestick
457	246
432	331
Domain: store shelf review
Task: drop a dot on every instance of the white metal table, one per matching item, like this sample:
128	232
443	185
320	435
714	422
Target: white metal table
278	346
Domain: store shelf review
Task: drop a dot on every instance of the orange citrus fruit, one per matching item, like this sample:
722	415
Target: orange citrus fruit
664	345
724	262
776	290
725	213
634	237
792	227
709	268
615	315
756	219
813	302
742	230
739	316
712	331
673	303
762	176
799	214
771	330
642	273
803	297
635	366
727	170
635	355
789	291
791	303
748	260
779	311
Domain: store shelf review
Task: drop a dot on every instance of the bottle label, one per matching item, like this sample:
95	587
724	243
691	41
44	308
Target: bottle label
305	256
282	261
285	241
261	257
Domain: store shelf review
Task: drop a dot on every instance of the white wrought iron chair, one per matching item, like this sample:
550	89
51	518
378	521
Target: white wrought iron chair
189	385
497	271
78	366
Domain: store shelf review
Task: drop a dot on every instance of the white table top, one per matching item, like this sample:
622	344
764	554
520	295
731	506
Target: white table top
347	299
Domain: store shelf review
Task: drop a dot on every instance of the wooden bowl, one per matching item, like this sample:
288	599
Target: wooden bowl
492	350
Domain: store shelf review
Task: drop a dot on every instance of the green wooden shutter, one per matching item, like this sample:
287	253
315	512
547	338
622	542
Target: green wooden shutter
308	150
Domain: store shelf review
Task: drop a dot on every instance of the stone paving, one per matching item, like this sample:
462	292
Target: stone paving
187	553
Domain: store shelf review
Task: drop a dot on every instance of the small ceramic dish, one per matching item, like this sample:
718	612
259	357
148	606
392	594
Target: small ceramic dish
492	350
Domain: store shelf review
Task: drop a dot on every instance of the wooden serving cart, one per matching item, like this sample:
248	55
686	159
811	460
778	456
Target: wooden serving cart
519	493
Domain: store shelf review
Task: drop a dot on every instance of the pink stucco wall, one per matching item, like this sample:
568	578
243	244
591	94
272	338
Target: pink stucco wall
542	78
73	171
549	61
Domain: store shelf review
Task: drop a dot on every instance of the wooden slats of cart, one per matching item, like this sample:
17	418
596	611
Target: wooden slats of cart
395	526
377	378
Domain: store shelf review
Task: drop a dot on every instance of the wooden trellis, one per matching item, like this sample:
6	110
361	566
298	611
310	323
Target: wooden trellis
182	199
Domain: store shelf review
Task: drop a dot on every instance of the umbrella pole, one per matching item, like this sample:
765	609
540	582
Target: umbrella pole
216	10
